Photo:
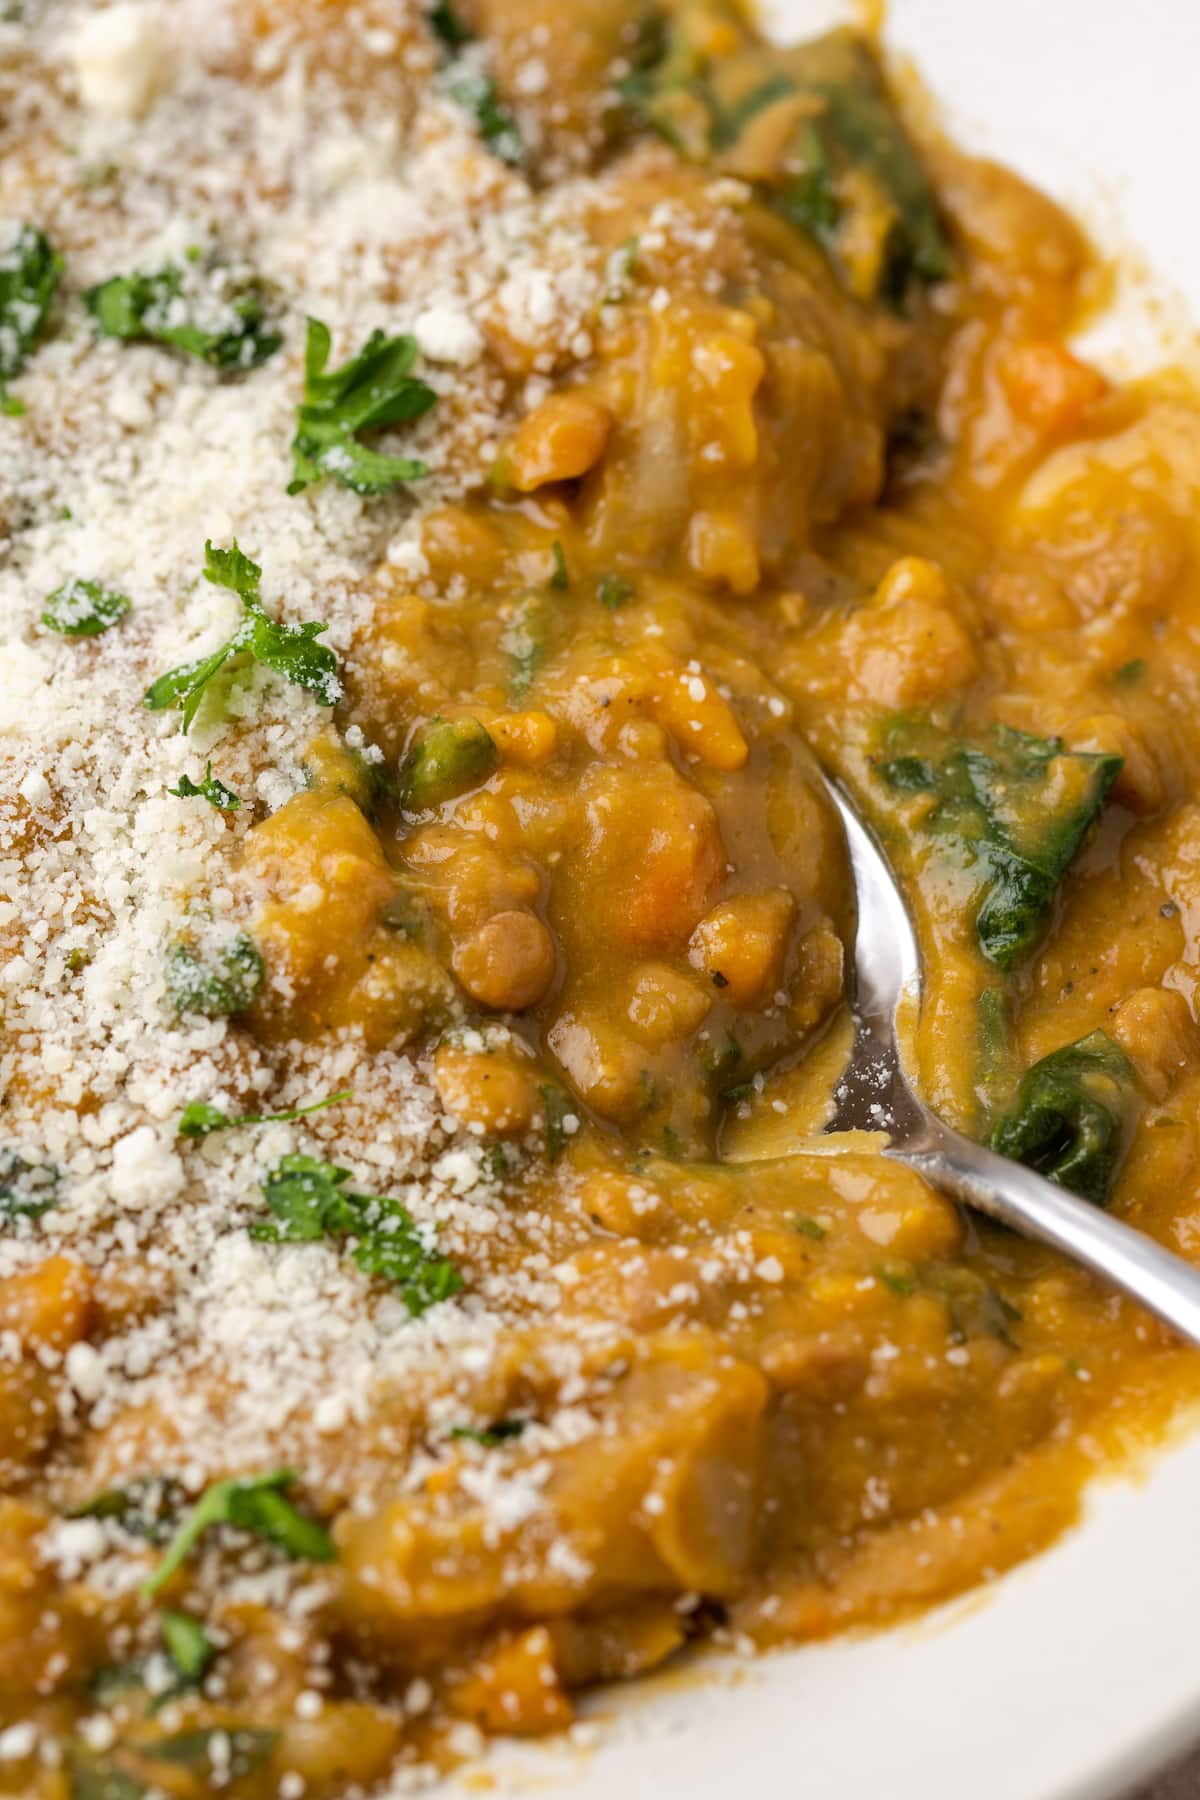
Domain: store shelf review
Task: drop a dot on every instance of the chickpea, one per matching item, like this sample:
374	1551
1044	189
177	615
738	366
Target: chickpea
508	962
666	1006
493	1091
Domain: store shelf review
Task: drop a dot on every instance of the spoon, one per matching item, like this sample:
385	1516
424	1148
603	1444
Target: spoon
874	1094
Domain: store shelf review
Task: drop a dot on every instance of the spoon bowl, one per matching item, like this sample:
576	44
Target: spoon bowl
875	1094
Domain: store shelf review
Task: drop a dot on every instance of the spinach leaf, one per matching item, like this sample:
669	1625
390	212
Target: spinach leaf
257	1504
837	161
1012	812
94	1777
29	274
374	389
1072	1116
202	309
310	1201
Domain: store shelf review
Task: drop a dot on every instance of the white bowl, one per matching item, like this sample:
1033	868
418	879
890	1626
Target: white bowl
1077	1673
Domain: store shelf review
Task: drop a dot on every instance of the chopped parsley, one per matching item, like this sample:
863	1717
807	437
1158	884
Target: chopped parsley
288	650
199	1118
372	390
187	1644
224	985
211	789
27	1190
257	1504
613	591
558	1110
476	93
310	1202
29	272
561	578
447	27
810	1228
223	319
83	608
490	1435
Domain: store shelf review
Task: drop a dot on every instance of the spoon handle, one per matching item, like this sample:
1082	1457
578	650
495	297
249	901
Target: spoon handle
1017	1197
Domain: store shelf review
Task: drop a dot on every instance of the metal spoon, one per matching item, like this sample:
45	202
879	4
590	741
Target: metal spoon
874	1094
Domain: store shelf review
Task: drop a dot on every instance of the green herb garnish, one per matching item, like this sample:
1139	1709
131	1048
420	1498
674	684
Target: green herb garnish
558	1109
1072	1116
199	1118
447	27
224	323
29	272
561	578
476	93
257	1504
226	984
288	650
83	608
525	640
613	591
372	390
447	759
27	1190
490	1435
211	789
810	1228
187	1643
310	1202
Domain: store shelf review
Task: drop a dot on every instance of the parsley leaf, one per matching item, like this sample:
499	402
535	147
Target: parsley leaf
558	1109
226	984
223	322
29	272
199	1118
375	388
476	93
310	1201
211	789
27	1190
145	1509
288	650
490	1435
83	608
561	578
255	1503
613	591
187	1644
447	27
810	1228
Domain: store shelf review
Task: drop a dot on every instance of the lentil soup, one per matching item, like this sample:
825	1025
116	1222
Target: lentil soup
463	470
